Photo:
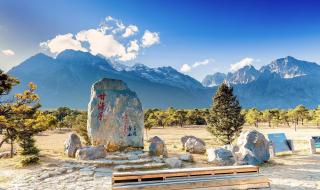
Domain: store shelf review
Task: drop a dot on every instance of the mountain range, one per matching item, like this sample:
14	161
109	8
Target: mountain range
66	81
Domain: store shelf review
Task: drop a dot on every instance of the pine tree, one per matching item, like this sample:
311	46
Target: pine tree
225	119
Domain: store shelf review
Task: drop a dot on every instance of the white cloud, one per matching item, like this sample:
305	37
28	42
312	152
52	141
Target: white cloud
185	68
244	62
110	39
133	46
8	52
61	43
99	43
204	62
150	38
130	30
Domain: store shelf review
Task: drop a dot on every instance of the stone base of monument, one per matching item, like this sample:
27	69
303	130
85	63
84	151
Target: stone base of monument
125	161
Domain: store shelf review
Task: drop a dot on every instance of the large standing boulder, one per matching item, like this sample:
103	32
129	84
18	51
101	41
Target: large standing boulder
220	156
115	116
71	145
195	146
185	138
91	153
253	148
157	147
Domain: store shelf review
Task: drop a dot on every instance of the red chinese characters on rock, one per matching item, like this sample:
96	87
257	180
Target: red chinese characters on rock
126	125
101	105
128	130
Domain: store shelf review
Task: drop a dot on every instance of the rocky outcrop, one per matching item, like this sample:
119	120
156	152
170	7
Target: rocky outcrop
220	156
253	148
195	146
91	153
71	145
157	147
115	116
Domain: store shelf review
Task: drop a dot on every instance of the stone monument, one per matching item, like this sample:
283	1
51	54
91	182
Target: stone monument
115	116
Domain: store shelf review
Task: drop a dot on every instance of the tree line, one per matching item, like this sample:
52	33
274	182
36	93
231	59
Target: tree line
253	116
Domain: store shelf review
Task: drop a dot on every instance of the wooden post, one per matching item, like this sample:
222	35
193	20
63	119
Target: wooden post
291	146
312	146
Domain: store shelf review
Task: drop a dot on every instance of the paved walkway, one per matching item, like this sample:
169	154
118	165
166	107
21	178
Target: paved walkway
294	172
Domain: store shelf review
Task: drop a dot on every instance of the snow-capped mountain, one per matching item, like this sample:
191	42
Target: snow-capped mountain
244	75
66	81
214	80
165	75
289	67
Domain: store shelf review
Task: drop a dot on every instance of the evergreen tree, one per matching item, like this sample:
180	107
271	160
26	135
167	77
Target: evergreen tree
225	120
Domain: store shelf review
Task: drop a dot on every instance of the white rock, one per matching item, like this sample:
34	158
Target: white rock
91	153
220	156
253	148
195	146
71	145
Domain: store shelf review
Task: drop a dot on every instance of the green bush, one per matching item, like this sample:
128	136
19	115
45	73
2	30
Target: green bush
28	160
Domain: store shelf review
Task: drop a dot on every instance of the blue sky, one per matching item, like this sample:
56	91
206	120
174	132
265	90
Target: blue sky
202	37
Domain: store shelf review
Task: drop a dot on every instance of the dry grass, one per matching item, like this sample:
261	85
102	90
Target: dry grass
51	142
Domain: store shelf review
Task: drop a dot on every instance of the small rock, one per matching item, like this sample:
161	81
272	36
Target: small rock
157	147
195	146
173	162
184	139
71	145
220	156
186	157
91	153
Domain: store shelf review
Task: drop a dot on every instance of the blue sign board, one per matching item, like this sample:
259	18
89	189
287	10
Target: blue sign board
316	141
279	142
